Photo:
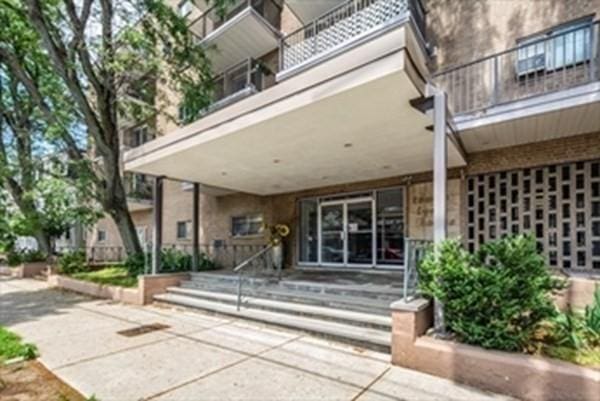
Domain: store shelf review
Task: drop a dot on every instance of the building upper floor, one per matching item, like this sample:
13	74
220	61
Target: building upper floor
499	61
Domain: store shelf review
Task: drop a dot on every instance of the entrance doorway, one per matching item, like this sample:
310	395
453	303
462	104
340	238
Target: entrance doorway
346	229
365	229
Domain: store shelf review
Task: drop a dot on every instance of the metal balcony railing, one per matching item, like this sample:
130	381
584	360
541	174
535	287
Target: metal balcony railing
344	24
237	82
558	61
138	187
214	17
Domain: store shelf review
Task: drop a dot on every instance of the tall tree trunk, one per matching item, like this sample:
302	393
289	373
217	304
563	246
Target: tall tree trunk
127	231
44	242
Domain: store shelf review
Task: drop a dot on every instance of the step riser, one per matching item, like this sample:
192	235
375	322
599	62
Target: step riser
264	293
292	312
362	344
316	289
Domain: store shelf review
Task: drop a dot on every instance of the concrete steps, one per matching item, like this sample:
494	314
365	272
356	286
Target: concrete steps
366	337
353	313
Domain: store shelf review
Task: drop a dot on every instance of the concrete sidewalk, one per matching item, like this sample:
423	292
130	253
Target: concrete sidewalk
200	357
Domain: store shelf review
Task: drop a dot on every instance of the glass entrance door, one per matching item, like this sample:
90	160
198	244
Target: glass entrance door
347	233
332	234
359	233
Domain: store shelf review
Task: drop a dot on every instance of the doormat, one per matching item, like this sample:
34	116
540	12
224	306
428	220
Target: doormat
144	329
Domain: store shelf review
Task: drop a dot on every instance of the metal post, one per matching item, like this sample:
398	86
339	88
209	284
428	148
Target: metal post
440	156
157	229
195	228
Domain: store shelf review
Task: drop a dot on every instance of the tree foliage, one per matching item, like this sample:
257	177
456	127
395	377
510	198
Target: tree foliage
91	67
494	298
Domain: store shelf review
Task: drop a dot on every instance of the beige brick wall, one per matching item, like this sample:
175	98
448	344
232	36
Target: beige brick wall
466	30
580	147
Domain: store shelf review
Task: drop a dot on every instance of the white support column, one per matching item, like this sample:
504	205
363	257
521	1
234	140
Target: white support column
440	184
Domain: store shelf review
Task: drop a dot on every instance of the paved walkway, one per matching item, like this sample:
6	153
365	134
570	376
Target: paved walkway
200	356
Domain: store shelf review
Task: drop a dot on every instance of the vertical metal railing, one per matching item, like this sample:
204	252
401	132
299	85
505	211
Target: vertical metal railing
342	24
558	61
414	251
215	17
241	268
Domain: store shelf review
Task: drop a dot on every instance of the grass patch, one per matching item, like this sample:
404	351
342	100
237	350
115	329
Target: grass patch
589	357
114	275
11	346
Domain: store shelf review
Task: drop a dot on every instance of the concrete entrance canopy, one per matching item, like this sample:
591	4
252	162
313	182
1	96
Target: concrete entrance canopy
345	119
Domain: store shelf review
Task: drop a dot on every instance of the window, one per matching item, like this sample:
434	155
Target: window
101	236
140	135
308	231
251	224
184	229
557	48
185	8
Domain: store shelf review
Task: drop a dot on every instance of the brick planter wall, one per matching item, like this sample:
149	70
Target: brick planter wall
148	286
28	270
522	376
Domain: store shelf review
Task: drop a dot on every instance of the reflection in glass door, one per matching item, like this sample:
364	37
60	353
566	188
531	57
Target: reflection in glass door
332	233
360	232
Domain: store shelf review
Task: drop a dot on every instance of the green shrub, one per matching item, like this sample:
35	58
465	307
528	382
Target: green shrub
172	260
495	298
592	320
568	330
72	262
15	257
34	256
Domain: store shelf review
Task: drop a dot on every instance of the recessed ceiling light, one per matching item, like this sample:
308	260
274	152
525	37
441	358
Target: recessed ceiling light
386	167
276	161
276	186
324	177
223	172
347	145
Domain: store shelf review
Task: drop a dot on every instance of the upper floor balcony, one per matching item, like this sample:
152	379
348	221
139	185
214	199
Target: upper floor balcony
547	86
238	82
304	132
138	188
247	28
349	23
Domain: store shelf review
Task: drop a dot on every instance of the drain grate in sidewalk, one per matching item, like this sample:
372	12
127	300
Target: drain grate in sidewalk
144	329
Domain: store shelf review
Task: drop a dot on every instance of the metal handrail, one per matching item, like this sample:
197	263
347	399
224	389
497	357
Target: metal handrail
239	270
414	250
558	61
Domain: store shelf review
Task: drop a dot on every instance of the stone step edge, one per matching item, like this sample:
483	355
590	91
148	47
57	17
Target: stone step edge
273	292
249	302
379	338
288	283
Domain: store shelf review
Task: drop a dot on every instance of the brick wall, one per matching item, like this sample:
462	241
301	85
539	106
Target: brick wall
464	31
580	147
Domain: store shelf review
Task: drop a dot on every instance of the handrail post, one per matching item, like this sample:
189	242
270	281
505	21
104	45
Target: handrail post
239	291
496	87
406	269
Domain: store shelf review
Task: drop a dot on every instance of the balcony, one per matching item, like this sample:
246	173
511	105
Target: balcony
249	28
239	82
305	132
138	188
347	24
541	89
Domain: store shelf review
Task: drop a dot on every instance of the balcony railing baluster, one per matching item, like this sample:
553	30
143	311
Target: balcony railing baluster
560	61
344	23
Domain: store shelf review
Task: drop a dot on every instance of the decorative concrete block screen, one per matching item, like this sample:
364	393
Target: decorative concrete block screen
559	204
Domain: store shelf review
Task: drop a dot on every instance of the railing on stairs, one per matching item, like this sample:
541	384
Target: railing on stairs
239	269
414	251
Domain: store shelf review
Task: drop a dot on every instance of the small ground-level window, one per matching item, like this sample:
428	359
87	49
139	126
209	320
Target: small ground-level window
101	236
251	224
183	229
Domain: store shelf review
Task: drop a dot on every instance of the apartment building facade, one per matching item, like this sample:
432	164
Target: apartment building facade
325	120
